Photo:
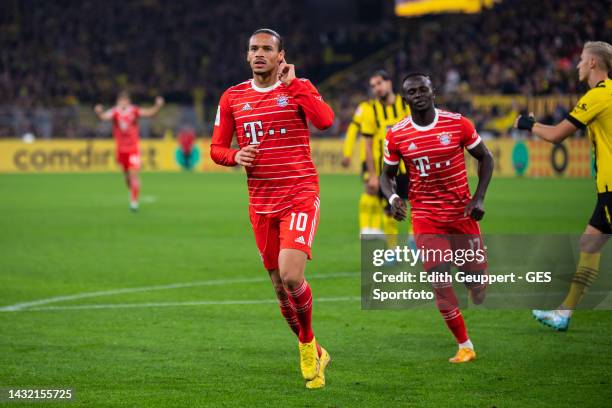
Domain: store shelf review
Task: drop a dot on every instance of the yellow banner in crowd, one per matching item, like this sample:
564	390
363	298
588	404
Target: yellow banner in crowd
529	158
412	8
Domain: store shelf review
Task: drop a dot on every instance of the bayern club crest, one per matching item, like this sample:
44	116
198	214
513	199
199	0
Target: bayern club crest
282	101
444	139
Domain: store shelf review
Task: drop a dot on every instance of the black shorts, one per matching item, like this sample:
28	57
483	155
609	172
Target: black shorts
601	218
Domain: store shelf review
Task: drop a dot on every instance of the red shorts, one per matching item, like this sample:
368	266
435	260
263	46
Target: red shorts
129	160
294	227
462	237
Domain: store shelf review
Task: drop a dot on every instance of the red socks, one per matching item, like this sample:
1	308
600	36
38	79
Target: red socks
134	188
301	298
448	306
288	312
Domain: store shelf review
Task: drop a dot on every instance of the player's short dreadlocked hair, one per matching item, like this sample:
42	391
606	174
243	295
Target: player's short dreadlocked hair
415	74
272	33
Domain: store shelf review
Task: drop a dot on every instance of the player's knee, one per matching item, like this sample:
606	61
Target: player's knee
291	267
590	243
292	280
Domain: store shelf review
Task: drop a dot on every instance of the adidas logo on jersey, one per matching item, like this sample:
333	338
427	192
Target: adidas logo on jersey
246	107
412	146
300	240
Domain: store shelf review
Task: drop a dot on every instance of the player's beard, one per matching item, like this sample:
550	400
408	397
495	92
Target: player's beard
383	98
265	71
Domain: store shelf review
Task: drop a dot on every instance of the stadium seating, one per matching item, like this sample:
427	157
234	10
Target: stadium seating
57	59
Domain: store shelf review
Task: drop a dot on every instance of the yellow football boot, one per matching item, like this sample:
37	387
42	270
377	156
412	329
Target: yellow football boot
463	355
309	359
319	380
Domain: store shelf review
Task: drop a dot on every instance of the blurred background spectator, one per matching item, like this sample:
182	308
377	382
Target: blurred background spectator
59	58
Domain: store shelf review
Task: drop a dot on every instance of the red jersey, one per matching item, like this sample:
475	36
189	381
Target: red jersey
275	120
434	157
125	128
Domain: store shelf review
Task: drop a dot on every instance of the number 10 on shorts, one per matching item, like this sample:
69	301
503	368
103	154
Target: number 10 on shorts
298	220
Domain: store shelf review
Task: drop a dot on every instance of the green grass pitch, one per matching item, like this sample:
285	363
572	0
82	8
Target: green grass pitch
181	346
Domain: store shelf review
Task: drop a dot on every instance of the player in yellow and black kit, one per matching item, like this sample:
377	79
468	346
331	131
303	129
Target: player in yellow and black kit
370	215
386	109
593	111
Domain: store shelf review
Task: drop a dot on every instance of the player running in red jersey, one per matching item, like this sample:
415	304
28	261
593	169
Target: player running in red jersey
431	143
126	134
269	115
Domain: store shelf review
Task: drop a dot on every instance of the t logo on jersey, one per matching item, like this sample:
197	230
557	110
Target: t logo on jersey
252	130
422	164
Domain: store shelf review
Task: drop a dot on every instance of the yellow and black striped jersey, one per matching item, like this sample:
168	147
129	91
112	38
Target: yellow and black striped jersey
377	120
594	111
353	131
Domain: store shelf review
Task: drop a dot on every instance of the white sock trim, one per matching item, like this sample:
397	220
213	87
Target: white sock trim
565	312
466	344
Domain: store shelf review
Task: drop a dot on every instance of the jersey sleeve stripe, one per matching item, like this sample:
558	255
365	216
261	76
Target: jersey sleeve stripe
575	121
474	144
391	163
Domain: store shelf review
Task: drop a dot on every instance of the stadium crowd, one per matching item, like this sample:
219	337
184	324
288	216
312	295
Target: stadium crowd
66	54
492	53
62	55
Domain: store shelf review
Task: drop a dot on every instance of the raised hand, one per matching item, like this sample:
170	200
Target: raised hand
286	72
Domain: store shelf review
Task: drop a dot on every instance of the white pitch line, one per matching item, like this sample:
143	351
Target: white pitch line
86	295
178	304
148	199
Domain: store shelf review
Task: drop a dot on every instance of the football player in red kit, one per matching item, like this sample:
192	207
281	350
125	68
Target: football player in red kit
126	133
431	143
269	114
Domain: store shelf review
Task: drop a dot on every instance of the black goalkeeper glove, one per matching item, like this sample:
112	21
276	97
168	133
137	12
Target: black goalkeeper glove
525	122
